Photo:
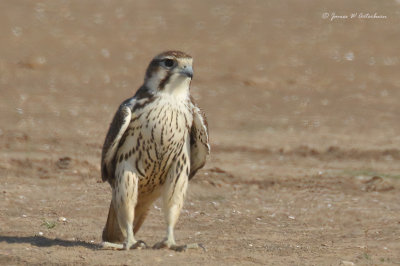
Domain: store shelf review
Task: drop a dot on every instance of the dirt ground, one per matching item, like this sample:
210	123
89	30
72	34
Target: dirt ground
304	118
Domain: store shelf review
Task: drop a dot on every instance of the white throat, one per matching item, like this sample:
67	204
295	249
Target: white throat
177	86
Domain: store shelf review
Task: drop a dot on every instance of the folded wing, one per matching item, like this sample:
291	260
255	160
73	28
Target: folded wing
116	131
199	145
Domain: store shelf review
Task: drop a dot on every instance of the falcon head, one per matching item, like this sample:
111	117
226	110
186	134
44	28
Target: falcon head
169	72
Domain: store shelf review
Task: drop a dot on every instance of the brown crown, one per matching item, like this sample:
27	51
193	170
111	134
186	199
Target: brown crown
176	54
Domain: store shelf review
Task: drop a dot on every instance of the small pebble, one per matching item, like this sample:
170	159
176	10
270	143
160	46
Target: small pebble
347	263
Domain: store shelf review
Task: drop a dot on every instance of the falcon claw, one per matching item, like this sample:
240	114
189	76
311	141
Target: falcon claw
140	244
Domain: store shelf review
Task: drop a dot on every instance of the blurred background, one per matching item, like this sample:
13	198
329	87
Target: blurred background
303	109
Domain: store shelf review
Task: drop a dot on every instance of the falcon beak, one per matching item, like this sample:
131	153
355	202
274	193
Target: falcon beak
187	71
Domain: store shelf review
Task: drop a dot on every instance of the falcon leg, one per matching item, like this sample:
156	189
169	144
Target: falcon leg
173	196
125	196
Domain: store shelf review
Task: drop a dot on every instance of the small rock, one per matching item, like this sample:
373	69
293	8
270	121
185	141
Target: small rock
377	183
347	263
214	203
33	62
64	162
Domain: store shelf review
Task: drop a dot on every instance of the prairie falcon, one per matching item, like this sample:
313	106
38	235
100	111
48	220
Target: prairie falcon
156	143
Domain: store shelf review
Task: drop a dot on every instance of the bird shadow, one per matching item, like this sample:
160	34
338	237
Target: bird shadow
41	241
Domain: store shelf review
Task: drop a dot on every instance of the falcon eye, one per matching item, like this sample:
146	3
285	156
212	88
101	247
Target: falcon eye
169	63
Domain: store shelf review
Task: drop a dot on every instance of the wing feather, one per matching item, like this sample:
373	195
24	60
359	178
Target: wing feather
199	143
118	126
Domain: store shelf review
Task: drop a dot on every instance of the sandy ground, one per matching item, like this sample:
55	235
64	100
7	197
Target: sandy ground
304	123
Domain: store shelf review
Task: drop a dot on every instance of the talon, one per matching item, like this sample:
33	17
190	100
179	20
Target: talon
140	244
